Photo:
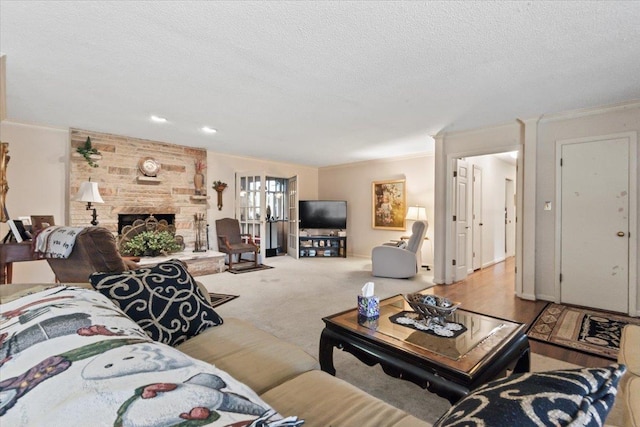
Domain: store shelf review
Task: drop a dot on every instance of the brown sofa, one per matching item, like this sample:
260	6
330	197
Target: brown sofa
95	249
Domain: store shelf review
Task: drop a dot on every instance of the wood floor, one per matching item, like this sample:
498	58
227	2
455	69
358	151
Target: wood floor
491	291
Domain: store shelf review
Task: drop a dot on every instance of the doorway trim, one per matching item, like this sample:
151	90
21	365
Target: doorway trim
633	213
521	135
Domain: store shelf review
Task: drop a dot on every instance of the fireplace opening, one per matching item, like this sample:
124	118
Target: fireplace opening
128	219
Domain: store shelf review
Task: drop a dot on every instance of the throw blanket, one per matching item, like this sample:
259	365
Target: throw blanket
70	357
57	242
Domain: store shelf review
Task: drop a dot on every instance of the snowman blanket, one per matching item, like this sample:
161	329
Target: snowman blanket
70	357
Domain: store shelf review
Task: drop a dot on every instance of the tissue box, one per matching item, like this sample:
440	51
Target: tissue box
368	307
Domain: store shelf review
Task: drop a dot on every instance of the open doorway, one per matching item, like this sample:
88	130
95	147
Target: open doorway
484	206
276	218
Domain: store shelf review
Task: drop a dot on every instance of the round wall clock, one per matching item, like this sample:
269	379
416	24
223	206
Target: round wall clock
149	166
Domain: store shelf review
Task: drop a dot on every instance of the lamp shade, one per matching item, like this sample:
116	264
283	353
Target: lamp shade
88	192
416	213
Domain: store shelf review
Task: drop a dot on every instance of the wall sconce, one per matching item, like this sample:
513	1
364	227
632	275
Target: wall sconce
89	193
416	213
219	186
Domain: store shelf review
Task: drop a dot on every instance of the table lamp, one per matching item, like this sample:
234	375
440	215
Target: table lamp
416	213
89	193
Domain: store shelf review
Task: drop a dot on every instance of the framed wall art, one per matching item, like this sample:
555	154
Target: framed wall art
389	205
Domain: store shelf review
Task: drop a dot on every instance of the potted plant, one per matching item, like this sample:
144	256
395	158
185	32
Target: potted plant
87	150
152	243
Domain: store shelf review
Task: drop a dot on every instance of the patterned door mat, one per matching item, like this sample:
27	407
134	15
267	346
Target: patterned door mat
244	269
219	299
586	330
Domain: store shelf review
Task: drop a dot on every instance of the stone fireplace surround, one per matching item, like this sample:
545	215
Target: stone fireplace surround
125	190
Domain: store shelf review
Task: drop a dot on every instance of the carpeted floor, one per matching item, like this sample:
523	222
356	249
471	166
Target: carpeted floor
219	299
590	331
291	300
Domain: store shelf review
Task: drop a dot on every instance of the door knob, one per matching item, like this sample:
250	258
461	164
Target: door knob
620	233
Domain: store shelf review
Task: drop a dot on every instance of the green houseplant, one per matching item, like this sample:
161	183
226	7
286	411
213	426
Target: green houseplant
87	150
152	243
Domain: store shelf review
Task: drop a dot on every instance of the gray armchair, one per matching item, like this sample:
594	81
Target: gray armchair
400	263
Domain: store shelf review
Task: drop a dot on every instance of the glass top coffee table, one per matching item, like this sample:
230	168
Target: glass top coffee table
474	350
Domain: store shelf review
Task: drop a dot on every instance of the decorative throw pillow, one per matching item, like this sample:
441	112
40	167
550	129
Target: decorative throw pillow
580	397
163	299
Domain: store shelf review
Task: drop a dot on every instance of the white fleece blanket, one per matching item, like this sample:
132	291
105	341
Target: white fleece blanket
57	242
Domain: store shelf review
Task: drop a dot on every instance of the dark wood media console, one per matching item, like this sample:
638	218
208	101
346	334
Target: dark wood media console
322	246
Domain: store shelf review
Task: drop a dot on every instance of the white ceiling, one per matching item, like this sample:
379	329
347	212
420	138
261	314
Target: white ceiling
316	83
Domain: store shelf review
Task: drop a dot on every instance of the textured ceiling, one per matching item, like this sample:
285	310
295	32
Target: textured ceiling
316	83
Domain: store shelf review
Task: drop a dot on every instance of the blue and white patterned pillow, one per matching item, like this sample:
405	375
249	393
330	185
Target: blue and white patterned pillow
577	397
163	299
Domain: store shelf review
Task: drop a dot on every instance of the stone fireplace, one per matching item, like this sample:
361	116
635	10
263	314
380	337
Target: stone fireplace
127	191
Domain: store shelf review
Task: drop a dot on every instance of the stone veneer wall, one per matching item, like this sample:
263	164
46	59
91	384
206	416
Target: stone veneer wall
118	175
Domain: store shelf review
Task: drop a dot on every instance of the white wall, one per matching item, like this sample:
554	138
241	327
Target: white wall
596	122
456	145
38	174
37	177
353	183
222	167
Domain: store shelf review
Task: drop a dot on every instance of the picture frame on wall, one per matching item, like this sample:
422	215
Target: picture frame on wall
389	205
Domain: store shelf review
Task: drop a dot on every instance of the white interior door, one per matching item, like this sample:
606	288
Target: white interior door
461	220
250	207
476	234
293	231
595	211
509	218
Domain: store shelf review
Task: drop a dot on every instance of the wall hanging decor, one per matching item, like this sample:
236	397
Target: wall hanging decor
388	205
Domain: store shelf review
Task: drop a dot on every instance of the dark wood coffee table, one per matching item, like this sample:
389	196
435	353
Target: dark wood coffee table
449	367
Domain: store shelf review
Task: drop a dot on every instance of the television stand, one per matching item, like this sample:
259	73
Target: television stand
322	246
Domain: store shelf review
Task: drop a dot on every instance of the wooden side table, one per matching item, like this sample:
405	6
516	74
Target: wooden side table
14	252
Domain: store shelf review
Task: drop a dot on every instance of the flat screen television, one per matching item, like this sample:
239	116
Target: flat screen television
323	214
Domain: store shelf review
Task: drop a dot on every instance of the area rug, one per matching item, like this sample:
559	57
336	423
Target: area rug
219	299
249	269
590	331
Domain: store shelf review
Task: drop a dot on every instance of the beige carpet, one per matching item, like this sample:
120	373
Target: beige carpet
290	300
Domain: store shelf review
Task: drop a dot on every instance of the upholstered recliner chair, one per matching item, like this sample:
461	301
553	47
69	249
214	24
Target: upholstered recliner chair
399	262
95	250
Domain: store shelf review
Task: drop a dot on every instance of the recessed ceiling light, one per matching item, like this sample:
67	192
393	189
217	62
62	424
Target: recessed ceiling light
158	119
208	129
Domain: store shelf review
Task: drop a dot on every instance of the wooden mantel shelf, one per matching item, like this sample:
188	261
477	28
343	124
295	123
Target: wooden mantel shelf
199	197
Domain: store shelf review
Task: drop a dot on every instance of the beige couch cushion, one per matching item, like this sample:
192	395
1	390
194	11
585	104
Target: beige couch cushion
323	400
249	354
629	345
629	387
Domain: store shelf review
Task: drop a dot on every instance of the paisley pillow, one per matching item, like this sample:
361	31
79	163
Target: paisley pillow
163	299
570	397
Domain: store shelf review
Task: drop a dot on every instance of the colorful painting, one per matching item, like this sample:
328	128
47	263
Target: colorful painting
389	205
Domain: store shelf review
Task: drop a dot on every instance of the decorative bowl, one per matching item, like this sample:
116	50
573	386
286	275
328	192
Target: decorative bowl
432	306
